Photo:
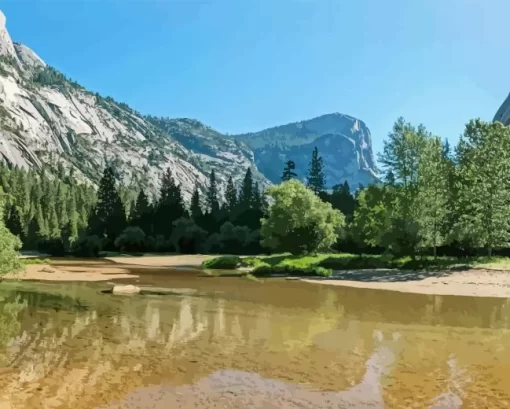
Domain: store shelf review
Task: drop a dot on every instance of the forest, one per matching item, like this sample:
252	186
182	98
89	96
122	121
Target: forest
432	200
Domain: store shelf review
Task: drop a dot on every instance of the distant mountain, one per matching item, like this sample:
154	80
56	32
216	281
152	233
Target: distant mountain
344	143
503	114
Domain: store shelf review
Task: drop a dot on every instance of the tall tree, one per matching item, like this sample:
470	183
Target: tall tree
400	161
484	194
432	193
109	217
246	191
213	203
316	178
170	205
230	196
141	213
288	171
13	222
195	205
342	199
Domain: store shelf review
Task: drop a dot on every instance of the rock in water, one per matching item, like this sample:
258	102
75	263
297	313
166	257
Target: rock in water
126	289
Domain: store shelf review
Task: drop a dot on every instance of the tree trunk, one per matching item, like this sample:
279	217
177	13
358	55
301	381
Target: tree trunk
489	251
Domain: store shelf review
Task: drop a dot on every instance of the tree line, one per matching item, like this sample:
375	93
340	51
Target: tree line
432	199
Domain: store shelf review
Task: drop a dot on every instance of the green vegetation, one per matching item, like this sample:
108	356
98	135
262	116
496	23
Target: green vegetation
222	263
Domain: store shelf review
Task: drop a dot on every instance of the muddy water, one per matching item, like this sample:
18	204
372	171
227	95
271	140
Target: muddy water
236	343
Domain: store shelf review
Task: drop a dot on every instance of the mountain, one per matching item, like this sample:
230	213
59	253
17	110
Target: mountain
48	119
344	143
503	114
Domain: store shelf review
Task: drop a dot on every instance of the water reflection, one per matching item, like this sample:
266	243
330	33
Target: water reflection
348	345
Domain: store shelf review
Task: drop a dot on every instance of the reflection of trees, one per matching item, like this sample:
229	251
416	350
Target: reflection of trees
67	356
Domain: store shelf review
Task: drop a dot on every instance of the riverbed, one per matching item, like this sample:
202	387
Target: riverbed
237	343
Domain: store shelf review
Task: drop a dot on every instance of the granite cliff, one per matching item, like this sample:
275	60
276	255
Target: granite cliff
46	118
344	143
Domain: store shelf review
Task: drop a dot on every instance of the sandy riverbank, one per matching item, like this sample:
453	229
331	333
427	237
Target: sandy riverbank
473	282
102	269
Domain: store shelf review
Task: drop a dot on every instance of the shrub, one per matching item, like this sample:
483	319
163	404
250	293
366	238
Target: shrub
131	239
267	270
87	246
54	247
222	263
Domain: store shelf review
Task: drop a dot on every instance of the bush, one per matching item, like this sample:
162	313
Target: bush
187	237
132	239
357	263
264	270
54	247
222	263
87	246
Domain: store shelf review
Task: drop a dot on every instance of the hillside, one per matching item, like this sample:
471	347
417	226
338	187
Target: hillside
45	118
344	143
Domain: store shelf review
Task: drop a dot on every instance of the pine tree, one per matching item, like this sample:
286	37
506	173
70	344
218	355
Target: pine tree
213	203
109	216
316	178
170	206
342	199
246	192
230	197
141	214
195	205
288	171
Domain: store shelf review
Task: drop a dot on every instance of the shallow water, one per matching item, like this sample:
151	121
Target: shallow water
237	343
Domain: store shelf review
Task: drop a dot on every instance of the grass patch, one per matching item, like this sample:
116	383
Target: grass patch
222	263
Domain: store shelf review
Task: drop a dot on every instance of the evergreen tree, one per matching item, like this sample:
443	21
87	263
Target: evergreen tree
195	205
141	213
170	206
109	216
246	192
288	171
342	199
230	196
316	177
213	203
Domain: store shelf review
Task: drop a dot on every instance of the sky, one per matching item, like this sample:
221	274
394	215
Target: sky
245	65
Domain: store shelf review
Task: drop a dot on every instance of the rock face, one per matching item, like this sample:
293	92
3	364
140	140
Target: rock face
343	142
46	118
503	114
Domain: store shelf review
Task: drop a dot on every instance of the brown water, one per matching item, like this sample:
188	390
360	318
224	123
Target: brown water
243	344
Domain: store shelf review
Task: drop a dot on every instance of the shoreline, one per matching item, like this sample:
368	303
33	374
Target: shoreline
475	282
471	282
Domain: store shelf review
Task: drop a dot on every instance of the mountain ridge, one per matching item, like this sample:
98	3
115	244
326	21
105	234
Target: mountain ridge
46	118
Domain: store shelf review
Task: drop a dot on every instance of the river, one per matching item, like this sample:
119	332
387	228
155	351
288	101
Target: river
237	343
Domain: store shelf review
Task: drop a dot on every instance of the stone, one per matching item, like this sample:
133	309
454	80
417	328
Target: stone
126	289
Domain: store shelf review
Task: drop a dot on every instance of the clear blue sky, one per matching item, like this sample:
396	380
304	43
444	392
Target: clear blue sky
244	65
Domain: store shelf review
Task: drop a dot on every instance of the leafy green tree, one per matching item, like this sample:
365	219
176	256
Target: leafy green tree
372	218
400	160
288	171
316	178
298	221
9	245
484	194
432	193
213	203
